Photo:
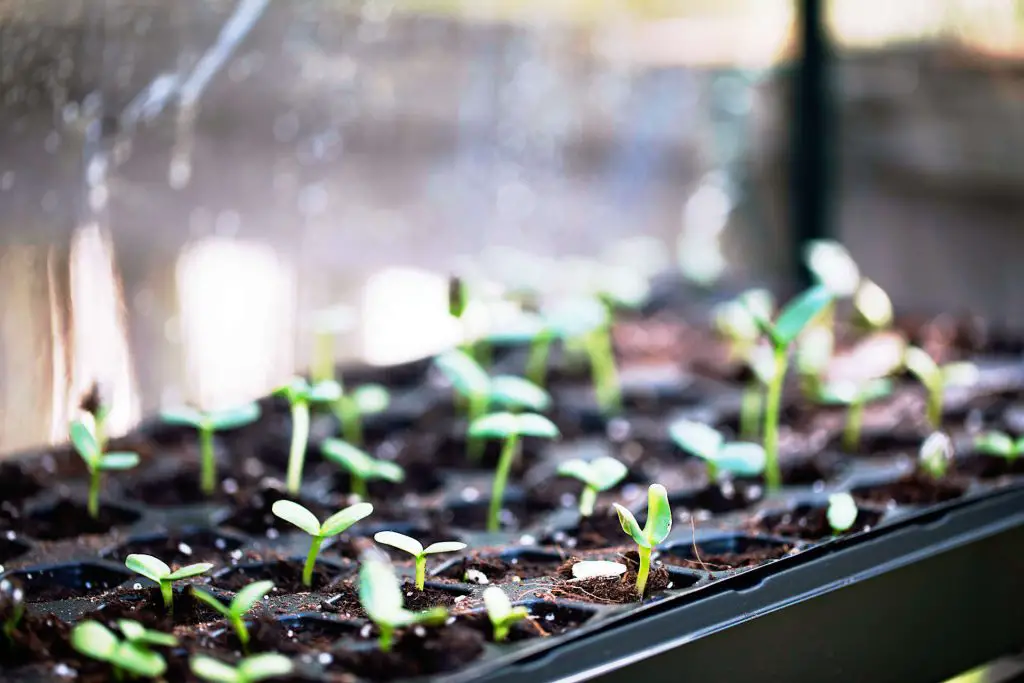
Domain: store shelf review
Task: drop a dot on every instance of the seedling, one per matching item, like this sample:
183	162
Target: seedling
350	408
999	444
97	462
833	267
738	458
206	423
381	597
761	361
734	321
501	612
137	634
300	396
597	475
240	605
782	333
361	466
307	521
855	396
94	405
327	324
416	549
873	306
95	640
158	572
511	427
655	530
936	454
813	355
936	378
841	513
12	606
248	670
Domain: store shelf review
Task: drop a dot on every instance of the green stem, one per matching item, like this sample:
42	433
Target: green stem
358	487
297	453
500	632
100	425
537	361
476	407
603	371
94	493
482	352
935	406
773	401
508	455
347	412
323	357
643	571
387	635
208	462
851	433
421	571
241	630
712	470
166	591
307	569
587	501
750	412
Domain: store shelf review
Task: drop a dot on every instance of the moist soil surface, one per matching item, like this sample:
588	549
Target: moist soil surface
917	488
69	519
810	523
286	575
752	556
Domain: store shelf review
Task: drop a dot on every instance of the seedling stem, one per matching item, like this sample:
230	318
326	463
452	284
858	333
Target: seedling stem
773	401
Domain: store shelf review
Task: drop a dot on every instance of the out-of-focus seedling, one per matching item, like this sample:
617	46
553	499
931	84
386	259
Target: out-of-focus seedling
239	607
597	475
248	670
734	321
381	597
327	324
511	427
300	396
873	306
855	396
97	462
205	424
502	614
96	641
137	634
304	519
1000	445
416	549
158	572
97	410
936	454
936	378
351	406
361	466
12	606
739	458
761	361
813	355
655	530
841	513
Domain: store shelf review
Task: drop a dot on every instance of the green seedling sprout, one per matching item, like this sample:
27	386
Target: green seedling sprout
137	634
761	361
361	466
739	458
381	597
855	396
511	427
833	267
12	606
206	424
97	462
841	513
782	333
1000	445
97	410
734	321
597	475
96	641
873	306
936	378
327	324
240	605
936	454
655	530
350	408
301	395
158	572
248	670
307	521
813	354
416	549
501	612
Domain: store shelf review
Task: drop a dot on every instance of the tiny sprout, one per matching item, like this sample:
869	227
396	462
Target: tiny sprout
158	572
842	512
307	521
501	612
206	423
936	454
511	427
12	606
381	597
738	458
734	321
137	634
95	640
361	466
761	361
797	314
999	444
597	475
249	670
240	605
326	325
300	395
833	267
813	354
935	379
656	530
350	408
873	306
97	410
85	442
416	549
855	396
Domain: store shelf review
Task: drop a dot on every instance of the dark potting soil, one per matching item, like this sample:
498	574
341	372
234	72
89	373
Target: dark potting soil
550	622
38	639
254	513
421	600
515	514
753	555
181	548
611	591
498	569
810	523
990	466
721	497
17	483
416	652
70	519
146	606
917	488
286	575
601	530
180	488
296	636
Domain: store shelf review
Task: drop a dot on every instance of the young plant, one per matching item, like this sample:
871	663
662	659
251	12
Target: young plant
300	396
97	462
782	333
936	378
206	423
239	607
350	408
12	606
936	454
327	325
833	267
159	573
137	634
480	391
813	356
855	396
739	458
1000	445
361	466
416	549
501	612
761	361
841	513
655	530
97	410
381	597
96	641
307	521
873	306
734	321
511	427
597	475
248	670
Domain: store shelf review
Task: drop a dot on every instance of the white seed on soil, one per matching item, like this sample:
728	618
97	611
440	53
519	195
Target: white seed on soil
516	579
64	671
220	544
236	555
420	631
364	632
469	494
460	598
324	658
230	486
184	549
449	621
290	633
755	491
727	488
527	539
567	500
558	537
137	586
273	533
476	576
670	584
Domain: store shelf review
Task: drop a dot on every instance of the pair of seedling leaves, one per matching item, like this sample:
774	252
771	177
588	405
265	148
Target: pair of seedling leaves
132	655
470	380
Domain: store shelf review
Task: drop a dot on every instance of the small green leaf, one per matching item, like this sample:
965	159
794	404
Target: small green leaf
814	351
263	666
577	469
734	321
842	511
936	453
343	519
435	616
761	361
189	571
298	515
444	547
741	459
213	670
118	461
659	515
132	630
495	425
379	591
95	640
921	365
233	418
754	304
538	426
326	391
698	439
400	541
137	633
85	443
147	565
873	305
249	596
183	417
213	602
798	313
631	526
832	266
508	391
387	470
349	457
464	373
139	660
297	389
995	443
371	399
606	472
499	607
